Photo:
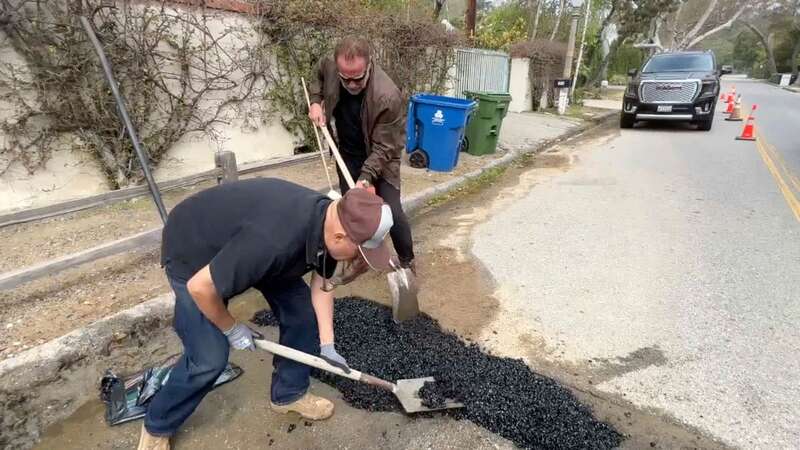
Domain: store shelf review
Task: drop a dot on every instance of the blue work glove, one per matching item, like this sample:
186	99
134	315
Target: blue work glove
329	354
240	336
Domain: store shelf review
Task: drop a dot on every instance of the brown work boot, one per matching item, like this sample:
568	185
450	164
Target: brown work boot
309	406
149	442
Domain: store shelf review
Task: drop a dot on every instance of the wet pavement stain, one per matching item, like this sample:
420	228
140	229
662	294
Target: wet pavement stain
605	369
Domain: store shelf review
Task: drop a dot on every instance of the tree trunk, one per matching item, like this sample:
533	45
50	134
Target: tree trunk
673	32
113	167
470	22
655	36
437	9
533	26
606	53
561	8
602	73
773	68
793	62
588	16
543	99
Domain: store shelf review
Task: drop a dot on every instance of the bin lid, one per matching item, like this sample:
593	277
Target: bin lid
444	101
486	95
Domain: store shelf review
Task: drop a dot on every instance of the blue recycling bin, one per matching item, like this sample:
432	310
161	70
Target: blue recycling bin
435	130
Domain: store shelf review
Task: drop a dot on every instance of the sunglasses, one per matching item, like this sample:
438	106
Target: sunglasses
357	79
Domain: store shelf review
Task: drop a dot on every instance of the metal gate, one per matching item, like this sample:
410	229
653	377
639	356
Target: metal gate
480	70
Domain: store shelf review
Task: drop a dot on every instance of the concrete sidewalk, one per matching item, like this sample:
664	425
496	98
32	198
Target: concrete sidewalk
610	104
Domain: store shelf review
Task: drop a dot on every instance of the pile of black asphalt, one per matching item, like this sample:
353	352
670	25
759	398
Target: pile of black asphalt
502	395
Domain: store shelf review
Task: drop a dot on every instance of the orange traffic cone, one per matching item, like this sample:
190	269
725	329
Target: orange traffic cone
729	109
749	130
732	94
736	115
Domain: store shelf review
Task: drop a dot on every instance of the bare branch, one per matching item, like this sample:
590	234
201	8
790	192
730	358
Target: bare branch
700	23
717	29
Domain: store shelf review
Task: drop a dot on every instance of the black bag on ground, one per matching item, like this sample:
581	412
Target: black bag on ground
126	398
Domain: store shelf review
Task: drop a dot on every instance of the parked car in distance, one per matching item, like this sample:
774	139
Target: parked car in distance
673	86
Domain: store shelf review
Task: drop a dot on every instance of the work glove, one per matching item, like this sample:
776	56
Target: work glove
329	354
240	336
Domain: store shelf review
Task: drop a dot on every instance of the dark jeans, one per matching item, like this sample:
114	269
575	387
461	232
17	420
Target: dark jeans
401	230
206	349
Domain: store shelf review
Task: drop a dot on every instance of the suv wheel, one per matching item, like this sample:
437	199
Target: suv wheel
627	120
705	125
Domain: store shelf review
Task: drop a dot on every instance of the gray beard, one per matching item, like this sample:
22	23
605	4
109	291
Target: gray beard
352	92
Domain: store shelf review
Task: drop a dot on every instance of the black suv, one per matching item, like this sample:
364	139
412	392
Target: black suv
677	86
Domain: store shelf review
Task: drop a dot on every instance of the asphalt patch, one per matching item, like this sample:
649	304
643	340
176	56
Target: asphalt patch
500	394
435	394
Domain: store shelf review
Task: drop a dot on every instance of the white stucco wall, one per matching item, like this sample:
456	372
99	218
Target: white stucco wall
520	86
68	174
195	153
73	174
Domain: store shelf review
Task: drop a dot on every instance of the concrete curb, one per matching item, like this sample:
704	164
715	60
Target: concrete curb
418	200
47	383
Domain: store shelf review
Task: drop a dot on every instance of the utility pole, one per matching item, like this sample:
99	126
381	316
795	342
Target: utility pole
563	95
471	12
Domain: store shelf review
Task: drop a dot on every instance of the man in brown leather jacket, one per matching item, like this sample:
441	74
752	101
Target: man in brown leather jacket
364	109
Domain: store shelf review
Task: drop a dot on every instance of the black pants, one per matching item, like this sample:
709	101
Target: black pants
401	230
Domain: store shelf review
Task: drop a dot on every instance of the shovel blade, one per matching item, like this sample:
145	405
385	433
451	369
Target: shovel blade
403	287
408	394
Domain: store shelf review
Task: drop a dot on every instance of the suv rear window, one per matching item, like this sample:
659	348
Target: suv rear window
679	63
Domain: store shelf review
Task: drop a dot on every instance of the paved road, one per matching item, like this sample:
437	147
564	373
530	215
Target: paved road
777	117
666	263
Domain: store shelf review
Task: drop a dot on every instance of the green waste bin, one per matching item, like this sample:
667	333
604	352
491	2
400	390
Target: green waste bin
483	129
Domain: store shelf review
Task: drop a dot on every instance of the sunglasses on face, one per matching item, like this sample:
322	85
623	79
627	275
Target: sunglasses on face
357	79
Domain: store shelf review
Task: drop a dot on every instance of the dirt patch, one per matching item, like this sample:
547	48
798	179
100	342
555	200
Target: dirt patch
550	161
51	307
449	282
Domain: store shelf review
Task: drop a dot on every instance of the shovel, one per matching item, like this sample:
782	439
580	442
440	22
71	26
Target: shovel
406	391
403	288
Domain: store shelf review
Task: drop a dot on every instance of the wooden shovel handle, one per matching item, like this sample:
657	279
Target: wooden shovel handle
335	150
319	363
305	358
377	382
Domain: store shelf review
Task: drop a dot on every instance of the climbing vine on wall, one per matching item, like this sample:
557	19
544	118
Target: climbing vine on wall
184	70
